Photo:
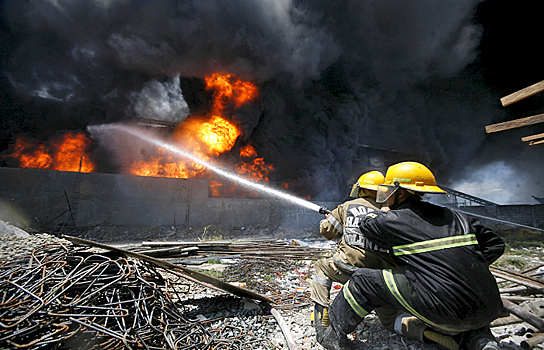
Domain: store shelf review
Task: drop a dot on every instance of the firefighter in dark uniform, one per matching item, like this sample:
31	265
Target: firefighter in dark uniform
354	251
443	259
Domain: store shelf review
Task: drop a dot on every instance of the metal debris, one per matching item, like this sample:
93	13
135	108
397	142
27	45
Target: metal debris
246	248
63	297
60	297
527	289
266	278
187	273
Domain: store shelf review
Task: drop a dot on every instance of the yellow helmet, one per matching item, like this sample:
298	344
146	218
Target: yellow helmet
412	176
369	180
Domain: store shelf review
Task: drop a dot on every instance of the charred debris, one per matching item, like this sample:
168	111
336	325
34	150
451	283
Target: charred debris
153	295
85	295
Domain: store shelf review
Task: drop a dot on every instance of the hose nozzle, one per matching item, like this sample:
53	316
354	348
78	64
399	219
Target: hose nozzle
324	211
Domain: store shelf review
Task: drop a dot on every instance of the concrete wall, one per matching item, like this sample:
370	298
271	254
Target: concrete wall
529	215
44	199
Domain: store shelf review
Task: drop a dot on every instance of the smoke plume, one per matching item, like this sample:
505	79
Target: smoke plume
345	87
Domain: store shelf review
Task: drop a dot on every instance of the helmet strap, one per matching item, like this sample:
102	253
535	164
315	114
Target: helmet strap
396	198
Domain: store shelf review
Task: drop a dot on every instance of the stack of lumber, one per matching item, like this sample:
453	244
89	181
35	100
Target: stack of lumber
532	140
198	252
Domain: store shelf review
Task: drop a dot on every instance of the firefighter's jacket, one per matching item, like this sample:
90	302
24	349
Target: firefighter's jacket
444	256
354	250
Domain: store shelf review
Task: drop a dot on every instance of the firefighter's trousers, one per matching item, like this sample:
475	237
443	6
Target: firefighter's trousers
369	289
328	271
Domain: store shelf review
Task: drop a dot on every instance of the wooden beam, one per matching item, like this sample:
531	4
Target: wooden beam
534	143
535	119
532	137
534	140
523	93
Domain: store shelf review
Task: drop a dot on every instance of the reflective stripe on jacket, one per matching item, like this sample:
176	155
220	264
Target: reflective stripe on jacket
444	257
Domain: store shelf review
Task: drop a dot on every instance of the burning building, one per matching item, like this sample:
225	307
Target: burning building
207	136
284	92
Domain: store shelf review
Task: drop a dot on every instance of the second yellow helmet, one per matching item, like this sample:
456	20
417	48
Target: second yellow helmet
370	181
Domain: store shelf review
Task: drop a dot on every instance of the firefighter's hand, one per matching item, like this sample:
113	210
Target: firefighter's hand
385	208
327	215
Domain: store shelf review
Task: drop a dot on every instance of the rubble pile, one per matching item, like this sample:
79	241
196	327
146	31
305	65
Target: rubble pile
57	295
62	297
284	282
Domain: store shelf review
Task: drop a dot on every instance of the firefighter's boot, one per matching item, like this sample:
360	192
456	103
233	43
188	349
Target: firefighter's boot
324	333
328	339
481	339
320	320
320	315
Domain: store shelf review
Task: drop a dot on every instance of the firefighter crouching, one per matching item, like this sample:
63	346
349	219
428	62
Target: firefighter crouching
354	250
442	279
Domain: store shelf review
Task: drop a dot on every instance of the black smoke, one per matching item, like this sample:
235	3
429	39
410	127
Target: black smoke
344	86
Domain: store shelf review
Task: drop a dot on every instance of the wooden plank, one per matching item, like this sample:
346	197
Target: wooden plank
285	330
534	143
532	137
523	93
512	124
534	140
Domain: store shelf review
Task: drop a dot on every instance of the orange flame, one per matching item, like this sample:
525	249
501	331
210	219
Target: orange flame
210	137
204	138
207	137
229	89
251	167
66	153
165	165
255	168
248	151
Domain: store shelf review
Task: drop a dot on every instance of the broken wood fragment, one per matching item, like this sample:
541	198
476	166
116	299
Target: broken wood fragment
532	137
201	261
512	124
285	330
534	143
523	93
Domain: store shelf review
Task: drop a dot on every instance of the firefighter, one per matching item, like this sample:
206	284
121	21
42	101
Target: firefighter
354	250
443	258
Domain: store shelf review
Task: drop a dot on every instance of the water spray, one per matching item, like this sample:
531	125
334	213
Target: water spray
174	149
